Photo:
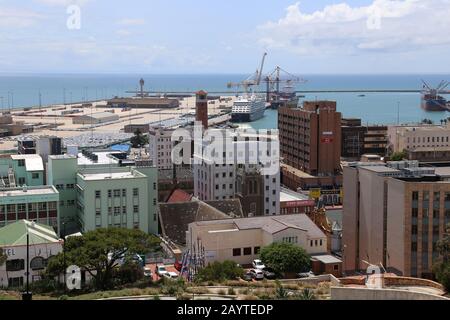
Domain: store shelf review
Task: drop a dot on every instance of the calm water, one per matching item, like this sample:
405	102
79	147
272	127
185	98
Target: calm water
374	108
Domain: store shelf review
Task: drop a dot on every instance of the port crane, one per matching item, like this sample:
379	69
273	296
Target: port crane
253	80
273	81
440	89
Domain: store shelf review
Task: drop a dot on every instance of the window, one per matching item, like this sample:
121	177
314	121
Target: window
21	162
35	175
247	251
70	186
37	263
415	212
336	267
154	202
21	181
15	265
116	211
135	209
236	252
135	192
97	194
256	250
124	192
117	193
15	282
98	212
415	195
109	193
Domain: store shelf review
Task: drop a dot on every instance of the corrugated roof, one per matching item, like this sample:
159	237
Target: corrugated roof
179	196
15	234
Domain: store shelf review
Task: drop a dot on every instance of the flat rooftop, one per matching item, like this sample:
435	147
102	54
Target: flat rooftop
380	169
17	192
289	195
110	175
103	158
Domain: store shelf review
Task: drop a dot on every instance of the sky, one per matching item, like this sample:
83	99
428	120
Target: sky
224	36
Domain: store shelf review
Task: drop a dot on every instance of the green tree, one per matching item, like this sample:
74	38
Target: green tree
285	258
398	156
100	251
442	268
219	271
138	140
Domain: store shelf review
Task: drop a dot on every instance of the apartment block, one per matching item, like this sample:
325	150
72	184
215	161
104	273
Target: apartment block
160	147
394	215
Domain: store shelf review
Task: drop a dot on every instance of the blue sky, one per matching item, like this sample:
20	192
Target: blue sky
226	36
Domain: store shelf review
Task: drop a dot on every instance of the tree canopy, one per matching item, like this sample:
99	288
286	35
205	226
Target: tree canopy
138	140
398	156
285	258
99	252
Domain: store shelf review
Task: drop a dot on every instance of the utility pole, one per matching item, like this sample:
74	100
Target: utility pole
27	295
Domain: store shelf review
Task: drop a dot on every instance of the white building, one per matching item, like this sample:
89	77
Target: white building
411	137
44	243
160	147
217	181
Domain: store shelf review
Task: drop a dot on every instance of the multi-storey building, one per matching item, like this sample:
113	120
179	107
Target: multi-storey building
219	181
160	147
394	215
411	137
310	146
20	170
100	196
38	204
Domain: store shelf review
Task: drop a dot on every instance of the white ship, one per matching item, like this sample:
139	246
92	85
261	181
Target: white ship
248	108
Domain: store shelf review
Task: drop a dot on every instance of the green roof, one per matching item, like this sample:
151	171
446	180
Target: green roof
15	234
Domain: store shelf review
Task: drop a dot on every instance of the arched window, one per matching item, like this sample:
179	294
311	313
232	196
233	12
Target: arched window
37	263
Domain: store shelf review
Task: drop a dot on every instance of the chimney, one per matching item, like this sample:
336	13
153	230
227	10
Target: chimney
201	108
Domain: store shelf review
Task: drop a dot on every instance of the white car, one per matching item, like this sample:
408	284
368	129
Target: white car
257	274
161	270
257	264
171	275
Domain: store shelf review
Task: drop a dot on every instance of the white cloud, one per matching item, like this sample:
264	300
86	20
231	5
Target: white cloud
400	25
64	3
132	22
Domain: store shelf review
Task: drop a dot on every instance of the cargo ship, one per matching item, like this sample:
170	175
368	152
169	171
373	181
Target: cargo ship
431	99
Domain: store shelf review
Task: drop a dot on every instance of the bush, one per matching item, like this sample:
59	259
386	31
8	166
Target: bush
442	271
64	297
129	272
285	258
45	285
217	271
231	292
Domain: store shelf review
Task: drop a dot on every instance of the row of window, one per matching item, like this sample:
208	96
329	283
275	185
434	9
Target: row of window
22	207
245	251
67	186
37	263
116	193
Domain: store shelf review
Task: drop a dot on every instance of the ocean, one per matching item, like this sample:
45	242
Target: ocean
375	108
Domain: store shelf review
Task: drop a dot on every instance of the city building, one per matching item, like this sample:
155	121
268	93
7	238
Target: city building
353	135
95	118
144	103
133	127
173	179
175	217
48	145
43	244
160	147
39	204
310	145
26	146
292	202
259	195
241	239
375	140
21	170
201	108
394	215
100	196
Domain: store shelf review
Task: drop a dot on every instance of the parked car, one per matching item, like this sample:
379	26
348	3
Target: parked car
257	274
257	264
161	270
247	276
147	272
269	273
171	275
305	274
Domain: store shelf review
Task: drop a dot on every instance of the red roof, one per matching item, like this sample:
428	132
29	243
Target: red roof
179	196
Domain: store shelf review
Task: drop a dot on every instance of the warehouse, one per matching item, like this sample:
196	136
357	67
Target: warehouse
144	103
96	118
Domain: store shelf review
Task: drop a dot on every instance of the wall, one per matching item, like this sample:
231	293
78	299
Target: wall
341	293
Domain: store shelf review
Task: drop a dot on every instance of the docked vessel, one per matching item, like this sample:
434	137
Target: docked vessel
431	99
248	108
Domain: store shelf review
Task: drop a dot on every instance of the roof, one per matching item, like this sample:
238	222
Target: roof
33	162
327	259
179	196
17	192
15	234
380	169
274	224
175	217
289	195
110	175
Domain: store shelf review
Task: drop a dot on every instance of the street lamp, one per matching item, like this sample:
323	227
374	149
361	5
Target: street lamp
27	295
